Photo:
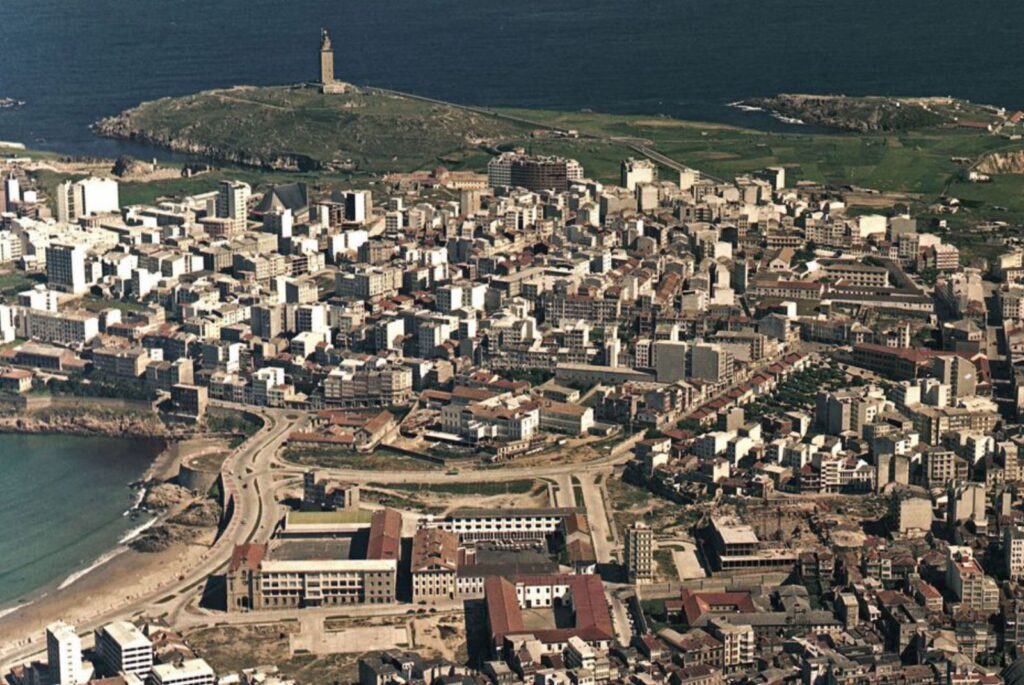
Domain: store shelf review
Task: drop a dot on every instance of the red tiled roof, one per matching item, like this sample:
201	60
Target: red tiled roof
249	555
696	604
593	619
385	535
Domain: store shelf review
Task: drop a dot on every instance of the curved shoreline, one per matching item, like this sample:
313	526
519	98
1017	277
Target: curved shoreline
162	450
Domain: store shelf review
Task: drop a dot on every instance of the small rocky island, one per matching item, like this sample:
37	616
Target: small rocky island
878	113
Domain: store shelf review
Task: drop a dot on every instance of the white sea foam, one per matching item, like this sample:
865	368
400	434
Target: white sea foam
136	532
788	120
138	502
89	569
102	559
746	108
11	610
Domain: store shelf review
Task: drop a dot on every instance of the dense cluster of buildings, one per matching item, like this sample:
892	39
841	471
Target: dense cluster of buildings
123	653
756	342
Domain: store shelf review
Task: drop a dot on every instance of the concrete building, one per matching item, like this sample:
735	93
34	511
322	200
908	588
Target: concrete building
322	571
737	642
633	172
504	525
968	582
508	598
639	553
89	196
188	672
66	269
358	205
1013	552
233	204
368	386
122	648
913	514
321	493
190	400
711	362
64	655
434	565
68	327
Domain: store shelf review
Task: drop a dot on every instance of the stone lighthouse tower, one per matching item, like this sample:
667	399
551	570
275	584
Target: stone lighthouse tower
327	82
326	59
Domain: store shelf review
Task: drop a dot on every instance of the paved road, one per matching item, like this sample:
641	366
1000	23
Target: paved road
252	484
600	527
242	474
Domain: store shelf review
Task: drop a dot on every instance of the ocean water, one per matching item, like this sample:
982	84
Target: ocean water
62	507
74	61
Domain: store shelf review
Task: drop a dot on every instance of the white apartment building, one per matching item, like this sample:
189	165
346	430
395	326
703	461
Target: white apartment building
189	672
233	201
123	648
1013	552
64	655
495	419
77	199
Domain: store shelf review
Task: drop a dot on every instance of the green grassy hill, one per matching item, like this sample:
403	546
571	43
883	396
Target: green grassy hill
298	128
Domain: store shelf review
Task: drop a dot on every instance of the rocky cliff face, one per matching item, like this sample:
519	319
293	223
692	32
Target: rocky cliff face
1002	163
862	115
70	422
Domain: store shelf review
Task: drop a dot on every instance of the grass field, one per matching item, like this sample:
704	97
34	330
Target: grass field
915	161
330	457
300	128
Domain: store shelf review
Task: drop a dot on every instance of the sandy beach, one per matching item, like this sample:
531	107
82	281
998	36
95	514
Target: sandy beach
124	578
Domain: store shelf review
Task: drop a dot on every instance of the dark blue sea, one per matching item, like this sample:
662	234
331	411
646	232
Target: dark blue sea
74	61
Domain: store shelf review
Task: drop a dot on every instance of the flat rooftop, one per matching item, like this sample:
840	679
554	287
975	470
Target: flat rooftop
339	517
306	550
735	532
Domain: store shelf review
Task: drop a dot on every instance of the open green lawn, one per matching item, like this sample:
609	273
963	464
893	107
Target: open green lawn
301	128
914	161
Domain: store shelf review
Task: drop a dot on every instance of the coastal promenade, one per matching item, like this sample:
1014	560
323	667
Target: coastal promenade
251	505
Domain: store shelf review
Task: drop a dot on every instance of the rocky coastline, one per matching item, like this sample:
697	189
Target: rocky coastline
91	421
123	127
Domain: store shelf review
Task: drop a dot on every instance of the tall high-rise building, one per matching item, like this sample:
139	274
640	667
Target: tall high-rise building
711	362
1013	552
635	171
358	205
65	268
63	654
639	553
233	203
86	197
533	173
12	192
122	648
